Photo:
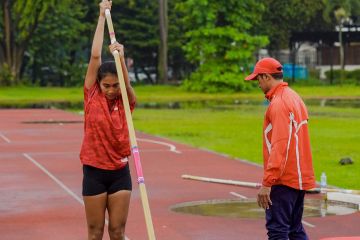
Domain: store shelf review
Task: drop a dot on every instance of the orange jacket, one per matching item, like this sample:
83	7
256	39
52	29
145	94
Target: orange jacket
286	143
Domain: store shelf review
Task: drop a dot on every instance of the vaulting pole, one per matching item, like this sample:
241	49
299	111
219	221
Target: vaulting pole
133	142
258	185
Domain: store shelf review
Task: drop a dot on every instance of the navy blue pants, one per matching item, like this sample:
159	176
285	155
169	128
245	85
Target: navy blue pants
283	219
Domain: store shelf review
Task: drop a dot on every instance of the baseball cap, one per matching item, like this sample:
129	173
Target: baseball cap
265	65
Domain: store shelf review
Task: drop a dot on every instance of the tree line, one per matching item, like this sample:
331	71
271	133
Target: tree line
208	45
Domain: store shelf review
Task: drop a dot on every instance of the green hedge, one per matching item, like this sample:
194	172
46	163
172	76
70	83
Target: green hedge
350	77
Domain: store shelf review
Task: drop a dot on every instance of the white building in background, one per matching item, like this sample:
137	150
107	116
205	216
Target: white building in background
316	57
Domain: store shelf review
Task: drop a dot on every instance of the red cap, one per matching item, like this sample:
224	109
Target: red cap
265	65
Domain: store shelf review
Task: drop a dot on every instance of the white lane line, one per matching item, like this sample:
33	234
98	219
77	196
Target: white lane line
5	138
171	146
53	153
238	195
243	197
62	185
307	224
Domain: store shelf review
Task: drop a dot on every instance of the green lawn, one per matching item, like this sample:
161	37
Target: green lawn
163	94
37	94
233	130
237	132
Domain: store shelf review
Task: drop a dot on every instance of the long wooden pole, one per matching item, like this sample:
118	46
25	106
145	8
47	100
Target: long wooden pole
223	181
133	142
258	185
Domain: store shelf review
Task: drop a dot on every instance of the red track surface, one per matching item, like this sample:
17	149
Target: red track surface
40	182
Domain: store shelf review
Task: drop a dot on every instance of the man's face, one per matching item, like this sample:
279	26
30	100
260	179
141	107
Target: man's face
263	81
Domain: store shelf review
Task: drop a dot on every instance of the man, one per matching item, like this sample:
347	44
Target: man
288	169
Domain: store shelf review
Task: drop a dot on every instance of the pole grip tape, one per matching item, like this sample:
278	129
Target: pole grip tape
139	172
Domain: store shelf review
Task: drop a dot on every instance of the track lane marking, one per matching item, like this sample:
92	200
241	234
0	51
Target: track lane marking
5	138
308	224
61	184
238	195
243	197
171	146
56	180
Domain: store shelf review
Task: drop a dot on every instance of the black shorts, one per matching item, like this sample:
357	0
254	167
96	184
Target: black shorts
97	181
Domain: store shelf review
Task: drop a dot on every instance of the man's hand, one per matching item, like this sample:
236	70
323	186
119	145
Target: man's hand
263	197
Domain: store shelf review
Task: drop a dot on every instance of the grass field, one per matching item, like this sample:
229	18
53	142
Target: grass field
237	132
164	94
233	130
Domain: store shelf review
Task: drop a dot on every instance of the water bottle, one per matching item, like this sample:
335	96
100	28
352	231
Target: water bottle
323	182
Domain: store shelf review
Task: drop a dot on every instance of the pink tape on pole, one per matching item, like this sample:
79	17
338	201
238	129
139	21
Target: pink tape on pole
135	152
112	33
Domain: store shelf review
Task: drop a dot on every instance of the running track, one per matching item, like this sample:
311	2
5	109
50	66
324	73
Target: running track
40	186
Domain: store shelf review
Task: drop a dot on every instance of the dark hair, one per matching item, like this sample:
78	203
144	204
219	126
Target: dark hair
277	76
105	69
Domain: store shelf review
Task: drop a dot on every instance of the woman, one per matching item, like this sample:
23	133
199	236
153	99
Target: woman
105	148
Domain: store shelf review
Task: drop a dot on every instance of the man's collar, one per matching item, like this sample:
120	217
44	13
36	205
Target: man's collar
270	94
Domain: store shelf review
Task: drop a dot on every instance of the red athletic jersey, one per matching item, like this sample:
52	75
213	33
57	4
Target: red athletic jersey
106	138
286	148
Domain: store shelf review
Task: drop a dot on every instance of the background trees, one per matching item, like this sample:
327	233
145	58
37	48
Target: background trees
280	18
16	31
137	27
219	42
340	13
163	46
209	43
35	33
55	55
